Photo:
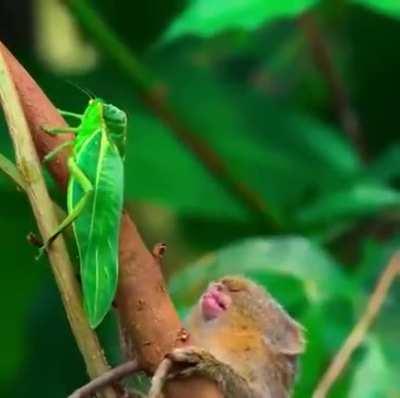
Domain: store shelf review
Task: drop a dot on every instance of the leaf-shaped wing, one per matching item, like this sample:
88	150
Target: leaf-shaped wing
97	228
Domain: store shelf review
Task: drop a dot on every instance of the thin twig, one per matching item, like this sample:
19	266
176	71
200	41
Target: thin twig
359	331
106	379
323	59
9	169
143	81
29	166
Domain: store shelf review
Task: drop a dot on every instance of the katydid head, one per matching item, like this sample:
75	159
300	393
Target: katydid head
114	116
115	121
108	118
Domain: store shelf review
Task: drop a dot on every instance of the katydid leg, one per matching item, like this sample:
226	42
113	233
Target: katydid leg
87	187
52	154
70	114
59	130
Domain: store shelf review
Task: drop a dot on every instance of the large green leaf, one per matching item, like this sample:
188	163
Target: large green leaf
280	153
362	199
209	17
292	258
206	18
266	158
171	175
388	7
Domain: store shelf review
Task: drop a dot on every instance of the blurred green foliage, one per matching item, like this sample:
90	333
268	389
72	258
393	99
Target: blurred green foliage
206	18
388	7
241	75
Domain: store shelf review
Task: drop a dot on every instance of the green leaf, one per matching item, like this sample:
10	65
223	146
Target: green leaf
374	376
173	176
258	140
387	7
360	200
387	166
291	258
209	17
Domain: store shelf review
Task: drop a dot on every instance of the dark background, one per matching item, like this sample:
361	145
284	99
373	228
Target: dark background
300	99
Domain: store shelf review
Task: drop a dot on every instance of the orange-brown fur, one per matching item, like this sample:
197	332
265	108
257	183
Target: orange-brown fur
250	349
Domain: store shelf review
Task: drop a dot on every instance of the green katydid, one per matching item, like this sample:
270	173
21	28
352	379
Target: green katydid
95	196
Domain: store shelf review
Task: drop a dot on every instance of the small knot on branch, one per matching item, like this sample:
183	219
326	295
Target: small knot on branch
34	240
159	250
183	336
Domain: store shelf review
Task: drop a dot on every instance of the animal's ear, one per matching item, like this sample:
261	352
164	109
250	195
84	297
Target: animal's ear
283	333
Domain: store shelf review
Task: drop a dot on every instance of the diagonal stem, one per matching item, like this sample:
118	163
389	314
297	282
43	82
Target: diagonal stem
322	57
9	169
359	331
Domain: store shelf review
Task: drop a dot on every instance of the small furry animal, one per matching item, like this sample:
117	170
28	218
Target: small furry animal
242	339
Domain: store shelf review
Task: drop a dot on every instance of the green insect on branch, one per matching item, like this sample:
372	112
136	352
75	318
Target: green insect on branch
140	276
29	166
95	196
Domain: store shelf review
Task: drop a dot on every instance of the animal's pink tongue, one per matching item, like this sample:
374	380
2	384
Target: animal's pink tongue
210	306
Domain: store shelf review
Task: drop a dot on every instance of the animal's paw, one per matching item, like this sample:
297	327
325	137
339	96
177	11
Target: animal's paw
189	355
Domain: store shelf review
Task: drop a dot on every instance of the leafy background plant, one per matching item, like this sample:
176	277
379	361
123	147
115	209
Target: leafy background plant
242	77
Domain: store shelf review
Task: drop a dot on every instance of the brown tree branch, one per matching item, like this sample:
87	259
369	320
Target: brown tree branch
35	188
359	331
148	318
323	60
